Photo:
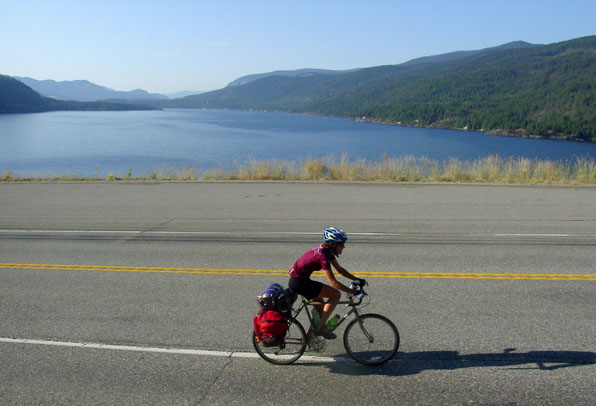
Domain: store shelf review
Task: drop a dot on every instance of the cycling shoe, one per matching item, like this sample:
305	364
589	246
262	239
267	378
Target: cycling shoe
325	334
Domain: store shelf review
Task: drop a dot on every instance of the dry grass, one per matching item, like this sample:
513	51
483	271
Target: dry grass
491	169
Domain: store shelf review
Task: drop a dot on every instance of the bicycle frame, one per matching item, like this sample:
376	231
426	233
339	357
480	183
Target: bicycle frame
348	303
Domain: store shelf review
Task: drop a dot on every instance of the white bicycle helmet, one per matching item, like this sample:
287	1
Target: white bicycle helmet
335	235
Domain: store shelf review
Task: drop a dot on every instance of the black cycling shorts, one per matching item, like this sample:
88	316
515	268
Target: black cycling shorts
306	287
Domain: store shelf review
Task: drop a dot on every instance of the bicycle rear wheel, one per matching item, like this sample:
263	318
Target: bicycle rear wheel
372	340
288	352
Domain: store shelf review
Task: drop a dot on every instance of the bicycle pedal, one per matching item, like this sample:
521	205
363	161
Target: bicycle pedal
317	344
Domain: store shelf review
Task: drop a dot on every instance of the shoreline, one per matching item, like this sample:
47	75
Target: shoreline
498	132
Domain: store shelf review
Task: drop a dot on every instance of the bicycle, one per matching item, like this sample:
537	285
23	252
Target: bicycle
370	339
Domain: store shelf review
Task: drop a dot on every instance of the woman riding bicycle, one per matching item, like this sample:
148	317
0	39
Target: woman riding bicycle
322	257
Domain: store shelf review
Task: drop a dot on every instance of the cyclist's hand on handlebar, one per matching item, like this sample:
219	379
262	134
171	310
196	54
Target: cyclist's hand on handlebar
359	295
361	282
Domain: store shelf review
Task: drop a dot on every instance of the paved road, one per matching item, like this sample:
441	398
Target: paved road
493	289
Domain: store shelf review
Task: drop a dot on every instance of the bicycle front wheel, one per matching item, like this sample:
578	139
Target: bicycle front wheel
371	340
288	352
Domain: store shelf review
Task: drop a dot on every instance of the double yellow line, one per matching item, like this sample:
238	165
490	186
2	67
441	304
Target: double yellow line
275	272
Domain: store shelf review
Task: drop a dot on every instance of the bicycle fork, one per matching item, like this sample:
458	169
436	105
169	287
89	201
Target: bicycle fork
368	336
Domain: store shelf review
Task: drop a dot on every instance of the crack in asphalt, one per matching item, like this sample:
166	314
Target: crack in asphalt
214	382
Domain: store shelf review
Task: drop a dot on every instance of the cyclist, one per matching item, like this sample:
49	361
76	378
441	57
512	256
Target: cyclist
315	259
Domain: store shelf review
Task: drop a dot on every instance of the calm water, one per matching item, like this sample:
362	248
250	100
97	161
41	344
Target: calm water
97	143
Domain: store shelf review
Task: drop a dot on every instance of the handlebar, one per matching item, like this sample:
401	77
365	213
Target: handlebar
360	293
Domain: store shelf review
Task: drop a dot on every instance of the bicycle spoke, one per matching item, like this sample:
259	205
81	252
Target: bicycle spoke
371	340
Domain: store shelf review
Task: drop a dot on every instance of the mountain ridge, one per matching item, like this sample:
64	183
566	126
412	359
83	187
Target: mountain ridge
17	97
462	54
518	89
84	90
243	80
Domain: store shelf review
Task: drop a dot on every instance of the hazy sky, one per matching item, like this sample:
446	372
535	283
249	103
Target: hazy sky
170	45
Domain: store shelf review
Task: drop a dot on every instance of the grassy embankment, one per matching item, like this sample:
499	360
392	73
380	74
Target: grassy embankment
491	169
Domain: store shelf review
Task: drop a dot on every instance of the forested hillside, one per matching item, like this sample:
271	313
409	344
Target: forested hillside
16	97
516	89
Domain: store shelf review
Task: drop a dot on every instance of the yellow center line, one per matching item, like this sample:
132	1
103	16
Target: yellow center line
278	272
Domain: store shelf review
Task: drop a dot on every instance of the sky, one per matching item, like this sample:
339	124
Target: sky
167	46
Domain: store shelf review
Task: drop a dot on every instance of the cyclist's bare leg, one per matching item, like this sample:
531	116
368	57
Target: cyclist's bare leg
333	295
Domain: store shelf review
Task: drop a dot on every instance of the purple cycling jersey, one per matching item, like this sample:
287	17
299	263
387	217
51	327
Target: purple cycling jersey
313	260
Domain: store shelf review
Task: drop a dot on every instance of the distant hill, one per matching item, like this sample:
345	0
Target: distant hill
183	93
83	90
16	97
515	89
287	73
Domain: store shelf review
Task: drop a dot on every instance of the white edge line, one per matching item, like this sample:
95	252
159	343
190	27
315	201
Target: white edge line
20	231
183	351
157	232
24	230
540	235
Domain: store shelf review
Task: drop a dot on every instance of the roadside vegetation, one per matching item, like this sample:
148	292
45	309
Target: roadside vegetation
492	169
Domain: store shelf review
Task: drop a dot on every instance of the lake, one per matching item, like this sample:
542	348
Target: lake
98	143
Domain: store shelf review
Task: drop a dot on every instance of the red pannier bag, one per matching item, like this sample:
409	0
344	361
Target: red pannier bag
270	327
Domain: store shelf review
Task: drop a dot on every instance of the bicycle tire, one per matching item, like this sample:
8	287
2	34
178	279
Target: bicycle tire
373	342
287	353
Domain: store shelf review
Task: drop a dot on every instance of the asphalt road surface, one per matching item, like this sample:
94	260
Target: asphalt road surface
114	293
